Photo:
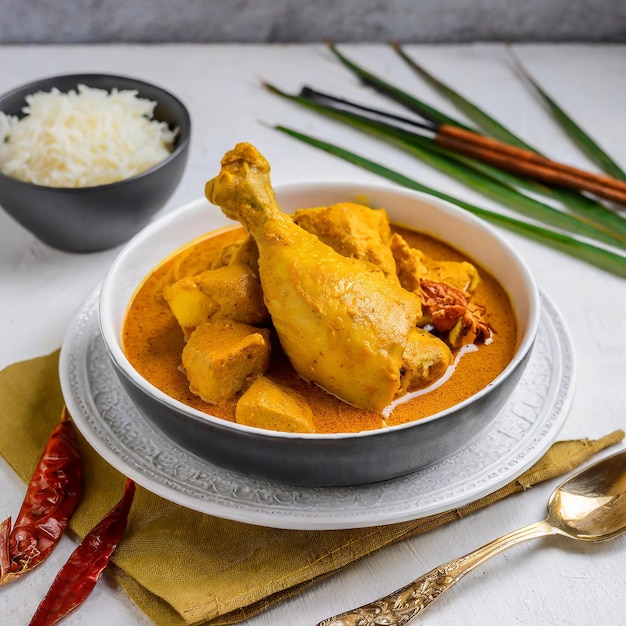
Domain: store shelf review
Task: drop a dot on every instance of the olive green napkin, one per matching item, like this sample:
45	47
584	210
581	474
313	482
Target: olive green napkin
183	567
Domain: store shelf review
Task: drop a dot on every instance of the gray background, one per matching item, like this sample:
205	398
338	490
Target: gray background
295	21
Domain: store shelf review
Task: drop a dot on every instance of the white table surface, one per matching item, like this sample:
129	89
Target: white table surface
548	581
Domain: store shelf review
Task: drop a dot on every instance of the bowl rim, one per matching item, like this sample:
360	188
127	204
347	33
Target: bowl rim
113	343
182	140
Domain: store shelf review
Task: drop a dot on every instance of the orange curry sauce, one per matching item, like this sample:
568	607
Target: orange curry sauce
153	343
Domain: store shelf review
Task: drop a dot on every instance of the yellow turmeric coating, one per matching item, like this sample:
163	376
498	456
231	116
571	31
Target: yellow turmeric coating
352	230
413	265
342	324
425	359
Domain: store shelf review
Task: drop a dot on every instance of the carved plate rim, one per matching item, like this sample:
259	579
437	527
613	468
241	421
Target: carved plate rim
518	437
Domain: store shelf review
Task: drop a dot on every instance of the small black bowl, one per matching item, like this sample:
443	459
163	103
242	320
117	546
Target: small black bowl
89	219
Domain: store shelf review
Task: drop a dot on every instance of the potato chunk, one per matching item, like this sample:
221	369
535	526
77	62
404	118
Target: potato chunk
222	357
230	292
269	405
425	359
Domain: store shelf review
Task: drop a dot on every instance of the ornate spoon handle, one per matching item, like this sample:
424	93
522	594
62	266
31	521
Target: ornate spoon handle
404	604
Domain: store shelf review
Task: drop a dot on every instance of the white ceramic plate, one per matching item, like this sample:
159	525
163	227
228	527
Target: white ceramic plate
518	437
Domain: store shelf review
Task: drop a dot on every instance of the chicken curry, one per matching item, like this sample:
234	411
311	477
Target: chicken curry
328	320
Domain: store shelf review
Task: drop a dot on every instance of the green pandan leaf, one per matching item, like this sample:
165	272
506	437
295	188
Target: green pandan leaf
477	115
583	140
589	209
489	181
599	257
400	96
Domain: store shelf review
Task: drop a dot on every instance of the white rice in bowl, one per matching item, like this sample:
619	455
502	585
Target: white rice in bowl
83	138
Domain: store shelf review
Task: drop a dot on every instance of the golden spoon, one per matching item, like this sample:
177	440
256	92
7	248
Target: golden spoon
589	506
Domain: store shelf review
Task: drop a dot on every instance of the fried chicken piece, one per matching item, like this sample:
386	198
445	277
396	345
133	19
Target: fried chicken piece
445	289
269	405
341	323
243	252
413	265
426	359
221	358
353	230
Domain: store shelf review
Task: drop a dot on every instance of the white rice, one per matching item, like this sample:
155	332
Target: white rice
83	138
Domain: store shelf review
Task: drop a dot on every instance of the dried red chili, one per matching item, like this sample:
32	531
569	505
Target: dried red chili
50	500
82	570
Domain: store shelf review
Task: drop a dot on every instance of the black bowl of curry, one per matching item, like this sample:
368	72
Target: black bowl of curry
285	422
